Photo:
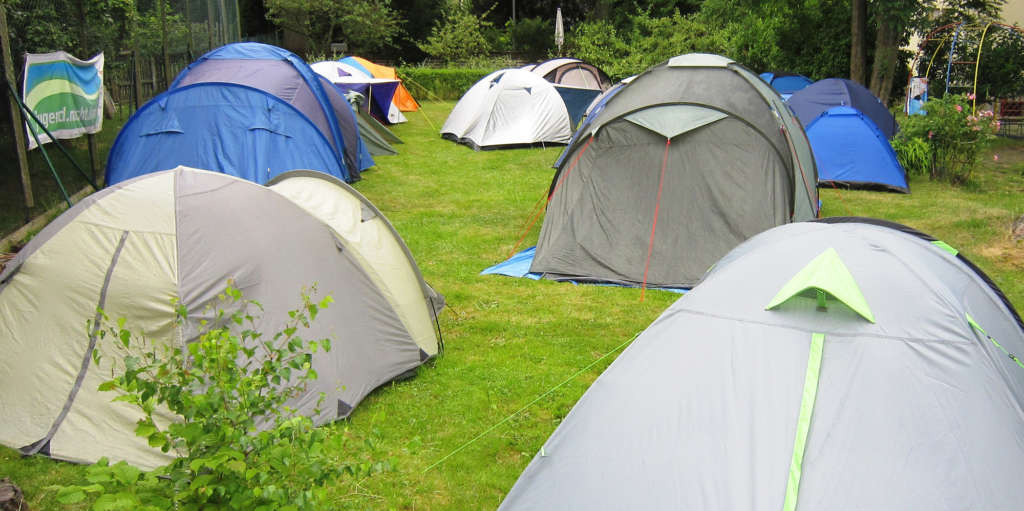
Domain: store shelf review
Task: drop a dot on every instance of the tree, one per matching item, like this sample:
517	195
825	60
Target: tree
366	25
459	35
858	27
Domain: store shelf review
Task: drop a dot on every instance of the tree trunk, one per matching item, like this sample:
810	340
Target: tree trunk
884	67
858	27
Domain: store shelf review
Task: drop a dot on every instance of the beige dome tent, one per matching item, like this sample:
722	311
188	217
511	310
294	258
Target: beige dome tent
131	248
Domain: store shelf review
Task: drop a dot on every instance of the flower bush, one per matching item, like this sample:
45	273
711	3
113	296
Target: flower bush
947	141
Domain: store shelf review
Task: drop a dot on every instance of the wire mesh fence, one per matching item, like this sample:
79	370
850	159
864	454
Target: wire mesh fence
145	43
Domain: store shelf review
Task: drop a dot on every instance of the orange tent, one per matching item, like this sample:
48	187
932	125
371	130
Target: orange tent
403	100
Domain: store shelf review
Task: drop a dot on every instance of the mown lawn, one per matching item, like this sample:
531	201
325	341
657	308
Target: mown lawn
510	340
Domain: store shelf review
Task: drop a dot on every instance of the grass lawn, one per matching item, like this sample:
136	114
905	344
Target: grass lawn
510	340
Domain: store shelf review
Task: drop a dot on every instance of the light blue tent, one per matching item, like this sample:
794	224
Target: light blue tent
285	75
852	152
233	129
786	83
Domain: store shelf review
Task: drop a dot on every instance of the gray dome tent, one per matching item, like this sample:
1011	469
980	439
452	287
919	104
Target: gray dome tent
844	364
132	247
691	158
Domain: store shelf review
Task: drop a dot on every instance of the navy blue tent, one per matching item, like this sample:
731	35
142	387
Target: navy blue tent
285	75
786	83
233	129
809	102
591	112
852	152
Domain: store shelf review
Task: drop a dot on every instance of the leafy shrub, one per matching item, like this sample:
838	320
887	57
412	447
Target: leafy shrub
240	446
458	36
955	138
648	41
441	84
914	155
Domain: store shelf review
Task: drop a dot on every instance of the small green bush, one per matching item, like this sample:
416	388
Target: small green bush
239	445
955	137
441	84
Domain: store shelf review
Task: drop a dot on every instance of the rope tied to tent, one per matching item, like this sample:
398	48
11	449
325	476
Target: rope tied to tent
654	224
535	215
531	403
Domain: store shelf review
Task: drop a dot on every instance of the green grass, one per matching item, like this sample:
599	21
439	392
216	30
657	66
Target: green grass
510	340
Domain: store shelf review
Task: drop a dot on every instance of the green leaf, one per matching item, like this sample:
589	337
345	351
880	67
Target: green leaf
125	473
157	440
108	386
145	429
70	495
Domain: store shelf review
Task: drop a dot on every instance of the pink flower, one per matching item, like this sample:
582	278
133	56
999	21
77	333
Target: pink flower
997	125
995	157
970	96
959	108
930	134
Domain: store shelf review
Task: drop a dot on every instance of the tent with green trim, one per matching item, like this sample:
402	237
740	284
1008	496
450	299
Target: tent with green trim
843	364
694	156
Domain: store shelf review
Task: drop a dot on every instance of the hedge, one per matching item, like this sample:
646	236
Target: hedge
440	84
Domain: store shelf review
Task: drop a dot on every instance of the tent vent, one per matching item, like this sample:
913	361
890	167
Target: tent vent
344	408
823	276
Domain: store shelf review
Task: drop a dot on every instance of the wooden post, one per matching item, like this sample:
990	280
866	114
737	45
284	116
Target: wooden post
163	38
17	125
83	47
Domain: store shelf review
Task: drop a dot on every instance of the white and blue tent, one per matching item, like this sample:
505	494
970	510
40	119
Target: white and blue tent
514	108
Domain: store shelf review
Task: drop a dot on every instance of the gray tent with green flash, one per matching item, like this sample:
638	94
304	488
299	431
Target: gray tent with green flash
685	162
845	364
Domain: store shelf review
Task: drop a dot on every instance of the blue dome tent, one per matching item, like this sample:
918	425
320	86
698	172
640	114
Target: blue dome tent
786	83
282	73
852	152
233	129
808	103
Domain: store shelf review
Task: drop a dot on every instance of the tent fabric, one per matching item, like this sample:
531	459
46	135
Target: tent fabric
509	108
228	128
347	78
701	141
183	233
360	158
278	72
702	410
786	83
809	102
403	100
571	72
592	110
851	152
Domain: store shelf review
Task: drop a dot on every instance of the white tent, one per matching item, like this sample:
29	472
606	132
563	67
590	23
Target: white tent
508	108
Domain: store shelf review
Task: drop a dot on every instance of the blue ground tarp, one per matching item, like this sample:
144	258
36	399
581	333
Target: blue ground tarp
519	266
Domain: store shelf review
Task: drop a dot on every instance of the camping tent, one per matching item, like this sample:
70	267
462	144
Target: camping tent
378	138
353	137
786	83
692	157
130	248
851	152
512	107
285	75
380	91
809	102
843	366
403	100
571	72
234	129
